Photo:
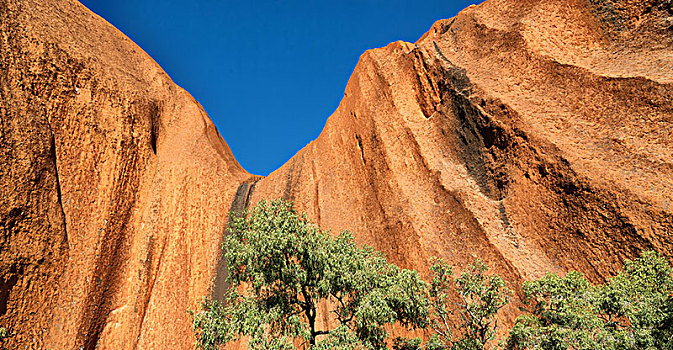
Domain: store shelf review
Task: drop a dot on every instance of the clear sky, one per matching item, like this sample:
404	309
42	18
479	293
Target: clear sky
268	73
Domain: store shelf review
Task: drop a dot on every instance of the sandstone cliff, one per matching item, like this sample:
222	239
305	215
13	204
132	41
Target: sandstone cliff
115	187
533	134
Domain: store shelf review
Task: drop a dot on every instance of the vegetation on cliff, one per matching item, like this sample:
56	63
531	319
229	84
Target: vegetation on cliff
633	310
294	285
284	269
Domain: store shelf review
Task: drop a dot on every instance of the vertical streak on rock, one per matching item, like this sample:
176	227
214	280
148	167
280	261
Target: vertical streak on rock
152	283
58	189
108	265
316	199
247	197
239	204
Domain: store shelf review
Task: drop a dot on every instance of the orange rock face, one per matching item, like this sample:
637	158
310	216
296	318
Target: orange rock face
115	187
535	135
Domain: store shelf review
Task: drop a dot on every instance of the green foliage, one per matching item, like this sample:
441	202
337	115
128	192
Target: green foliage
481	296
282	267
637	305
287	276
634	310
4	334
562	315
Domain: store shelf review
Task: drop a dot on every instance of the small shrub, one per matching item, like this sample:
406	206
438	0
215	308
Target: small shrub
633	310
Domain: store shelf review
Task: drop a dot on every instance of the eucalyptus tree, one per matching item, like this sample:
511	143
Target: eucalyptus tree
633	310
288	275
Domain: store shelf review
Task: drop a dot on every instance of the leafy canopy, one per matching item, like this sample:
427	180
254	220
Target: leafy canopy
633	310
287	276
480	298
283	269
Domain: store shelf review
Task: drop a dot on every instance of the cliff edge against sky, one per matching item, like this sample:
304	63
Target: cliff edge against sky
535	135
115	187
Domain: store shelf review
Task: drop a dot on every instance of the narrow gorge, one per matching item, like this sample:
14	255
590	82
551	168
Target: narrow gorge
535	135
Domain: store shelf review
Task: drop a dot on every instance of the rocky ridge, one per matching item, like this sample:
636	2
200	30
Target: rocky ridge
115	185
532	134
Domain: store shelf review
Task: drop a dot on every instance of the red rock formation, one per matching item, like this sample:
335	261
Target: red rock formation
535	135
115	187
532	134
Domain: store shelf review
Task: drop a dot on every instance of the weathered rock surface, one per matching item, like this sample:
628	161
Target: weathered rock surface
115	187
535	135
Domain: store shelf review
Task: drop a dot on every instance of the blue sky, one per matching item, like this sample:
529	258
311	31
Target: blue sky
268	73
